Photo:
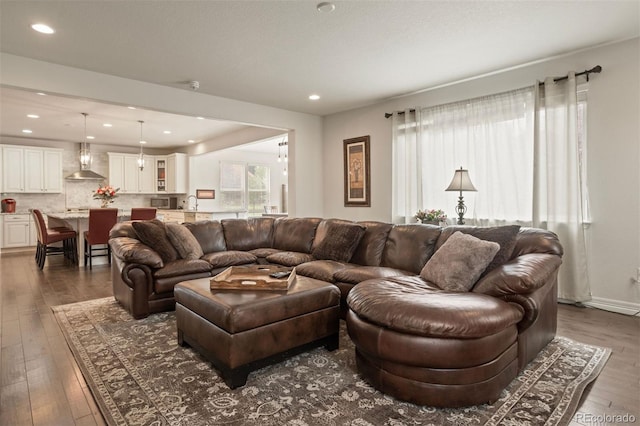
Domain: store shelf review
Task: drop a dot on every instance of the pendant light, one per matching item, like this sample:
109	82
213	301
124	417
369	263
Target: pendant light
142	142
85	153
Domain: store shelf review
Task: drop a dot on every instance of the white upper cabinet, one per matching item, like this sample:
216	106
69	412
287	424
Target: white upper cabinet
161	174
31	169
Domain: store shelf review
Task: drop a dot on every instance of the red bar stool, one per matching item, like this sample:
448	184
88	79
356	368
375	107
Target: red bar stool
47	236
143	213
100	223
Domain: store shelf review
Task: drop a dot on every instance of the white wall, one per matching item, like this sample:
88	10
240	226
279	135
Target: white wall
305	130
613	149
205	174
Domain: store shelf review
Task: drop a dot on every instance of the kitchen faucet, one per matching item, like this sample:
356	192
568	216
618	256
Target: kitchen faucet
196	198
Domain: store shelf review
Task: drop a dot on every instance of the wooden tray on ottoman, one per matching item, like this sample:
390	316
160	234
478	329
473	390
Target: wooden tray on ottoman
255	277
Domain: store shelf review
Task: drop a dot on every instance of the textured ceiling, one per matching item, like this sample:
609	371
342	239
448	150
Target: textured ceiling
278	52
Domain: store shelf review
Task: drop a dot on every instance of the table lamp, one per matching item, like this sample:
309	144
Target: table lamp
461	182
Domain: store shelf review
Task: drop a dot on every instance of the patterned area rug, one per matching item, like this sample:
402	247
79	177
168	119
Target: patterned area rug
140	376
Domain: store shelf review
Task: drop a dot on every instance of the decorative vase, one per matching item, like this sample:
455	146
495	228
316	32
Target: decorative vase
430	222
104	203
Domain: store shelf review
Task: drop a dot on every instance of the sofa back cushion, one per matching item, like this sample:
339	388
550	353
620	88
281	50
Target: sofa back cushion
295	234
123	229
248	234
369	251
209	234
409	246
336	239
505	236
534	240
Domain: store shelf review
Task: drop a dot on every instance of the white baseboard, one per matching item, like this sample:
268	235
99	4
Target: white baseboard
617	306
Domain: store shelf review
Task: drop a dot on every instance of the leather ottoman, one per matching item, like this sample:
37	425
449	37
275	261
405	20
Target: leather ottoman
242	330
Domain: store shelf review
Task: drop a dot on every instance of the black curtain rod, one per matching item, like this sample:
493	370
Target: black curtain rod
595	70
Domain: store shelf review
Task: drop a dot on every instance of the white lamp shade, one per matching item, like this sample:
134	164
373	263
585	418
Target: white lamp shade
461	181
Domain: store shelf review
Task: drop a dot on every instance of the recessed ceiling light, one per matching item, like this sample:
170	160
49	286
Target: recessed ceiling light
191	141
41	94
33	116
43	28
326	7
200	118
27	131
131	107
167	132
107	125
91	137
143	142
314	97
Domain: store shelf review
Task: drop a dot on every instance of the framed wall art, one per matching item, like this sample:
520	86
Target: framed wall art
357	175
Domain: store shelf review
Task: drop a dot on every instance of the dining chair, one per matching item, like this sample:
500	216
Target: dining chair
48	236
100	223
143	213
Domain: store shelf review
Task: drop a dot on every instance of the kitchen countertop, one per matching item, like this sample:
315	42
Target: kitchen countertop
80	214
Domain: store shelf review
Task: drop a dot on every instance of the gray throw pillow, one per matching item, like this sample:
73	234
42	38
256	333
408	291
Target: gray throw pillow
340	241
457	265
184	241
154	234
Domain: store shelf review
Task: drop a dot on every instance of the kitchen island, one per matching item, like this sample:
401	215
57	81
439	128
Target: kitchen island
79	221
182	216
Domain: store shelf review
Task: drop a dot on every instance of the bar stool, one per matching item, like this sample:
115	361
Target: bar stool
143	213
47	236
100	223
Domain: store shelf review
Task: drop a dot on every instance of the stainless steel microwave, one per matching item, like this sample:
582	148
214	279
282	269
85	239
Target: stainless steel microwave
164	202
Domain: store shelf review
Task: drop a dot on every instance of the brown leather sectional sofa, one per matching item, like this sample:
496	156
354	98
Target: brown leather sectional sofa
507	317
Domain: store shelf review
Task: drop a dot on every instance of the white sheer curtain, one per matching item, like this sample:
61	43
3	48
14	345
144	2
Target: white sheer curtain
407	165
491	136
560	191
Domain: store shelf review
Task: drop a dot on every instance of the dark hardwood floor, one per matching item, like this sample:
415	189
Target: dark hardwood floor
42	385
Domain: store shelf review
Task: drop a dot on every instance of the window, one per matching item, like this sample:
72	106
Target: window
245	187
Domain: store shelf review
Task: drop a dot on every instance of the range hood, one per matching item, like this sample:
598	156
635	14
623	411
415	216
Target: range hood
85	174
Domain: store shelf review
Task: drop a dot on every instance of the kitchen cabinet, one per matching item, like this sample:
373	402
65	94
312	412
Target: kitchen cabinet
31	169
125	174
161	174
177	173
18	230
170	215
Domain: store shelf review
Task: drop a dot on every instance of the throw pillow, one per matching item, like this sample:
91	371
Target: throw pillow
503	235
457	265
184	241
340	241
154	234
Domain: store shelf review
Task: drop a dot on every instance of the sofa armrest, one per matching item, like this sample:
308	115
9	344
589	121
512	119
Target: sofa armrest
131	250
522	275
132	285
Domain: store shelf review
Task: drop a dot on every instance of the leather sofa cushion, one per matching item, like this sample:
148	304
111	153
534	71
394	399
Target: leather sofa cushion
294	234
410	305
123	229
263	252
209	234
534	240
131	250
154	234
289	258
248	234
503	235
229	258
184	242
322	269
369	251
182	267
409	246
339	240
458	264
363	273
